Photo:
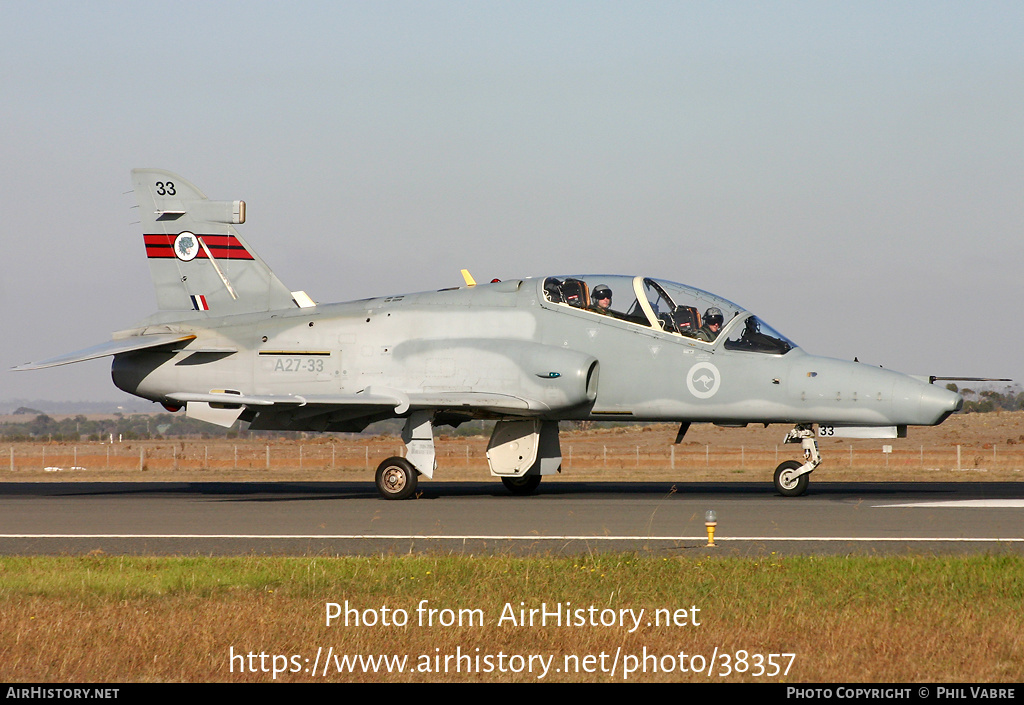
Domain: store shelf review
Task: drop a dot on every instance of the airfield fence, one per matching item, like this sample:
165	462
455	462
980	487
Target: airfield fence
463	454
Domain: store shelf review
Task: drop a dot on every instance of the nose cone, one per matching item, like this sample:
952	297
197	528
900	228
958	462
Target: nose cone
938	403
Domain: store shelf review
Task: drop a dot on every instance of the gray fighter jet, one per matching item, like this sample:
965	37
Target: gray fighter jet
230	342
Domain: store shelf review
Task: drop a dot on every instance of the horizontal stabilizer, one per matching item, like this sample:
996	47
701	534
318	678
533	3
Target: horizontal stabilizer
113	347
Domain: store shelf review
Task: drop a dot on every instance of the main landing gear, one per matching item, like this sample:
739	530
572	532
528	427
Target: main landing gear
520	452
792	477
396	478
524	485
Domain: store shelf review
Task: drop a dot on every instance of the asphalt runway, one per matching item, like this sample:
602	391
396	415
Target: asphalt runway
563	518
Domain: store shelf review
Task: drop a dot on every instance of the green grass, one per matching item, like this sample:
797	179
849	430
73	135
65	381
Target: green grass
855	619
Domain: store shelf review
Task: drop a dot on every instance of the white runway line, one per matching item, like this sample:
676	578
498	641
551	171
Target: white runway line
957	503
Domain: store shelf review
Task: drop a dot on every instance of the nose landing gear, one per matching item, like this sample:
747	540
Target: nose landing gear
792	477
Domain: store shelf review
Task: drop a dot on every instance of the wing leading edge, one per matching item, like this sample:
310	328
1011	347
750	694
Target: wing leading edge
277	411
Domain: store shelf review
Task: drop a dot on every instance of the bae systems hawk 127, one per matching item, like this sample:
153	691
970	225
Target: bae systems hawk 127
230	342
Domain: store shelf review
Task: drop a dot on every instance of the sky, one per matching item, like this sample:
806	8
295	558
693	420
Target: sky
851	172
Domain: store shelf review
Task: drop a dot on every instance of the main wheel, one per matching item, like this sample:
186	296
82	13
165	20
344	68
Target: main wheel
525	484
396	478
787	484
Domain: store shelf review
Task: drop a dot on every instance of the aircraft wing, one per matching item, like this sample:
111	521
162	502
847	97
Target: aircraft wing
279	410
401	402
113	347
453	401
289	400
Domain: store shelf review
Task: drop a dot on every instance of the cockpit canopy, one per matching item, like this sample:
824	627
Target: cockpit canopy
669	307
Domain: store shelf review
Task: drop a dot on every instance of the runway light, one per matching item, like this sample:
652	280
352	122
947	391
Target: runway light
710	522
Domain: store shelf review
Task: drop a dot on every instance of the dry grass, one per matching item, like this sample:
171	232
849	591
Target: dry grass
105	619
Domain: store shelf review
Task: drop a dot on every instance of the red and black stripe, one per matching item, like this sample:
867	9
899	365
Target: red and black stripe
220	246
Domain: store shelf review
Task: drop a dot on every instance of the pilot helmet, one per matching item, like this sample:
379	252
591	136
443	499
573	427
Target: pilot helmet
601	291
713	316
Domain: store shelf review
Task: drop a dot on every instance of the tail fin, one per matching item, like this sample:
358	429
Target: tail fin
198	260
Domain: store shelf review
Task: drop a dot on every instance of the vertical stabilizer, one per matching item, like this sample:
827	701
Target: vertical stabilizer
197	259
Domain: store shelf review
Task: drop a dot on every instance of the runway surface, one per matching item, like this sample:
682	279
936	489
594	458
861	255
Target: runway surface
331	518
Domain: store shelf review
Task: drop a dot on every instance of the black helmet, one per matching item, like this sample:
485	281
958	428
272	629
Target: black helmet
713	316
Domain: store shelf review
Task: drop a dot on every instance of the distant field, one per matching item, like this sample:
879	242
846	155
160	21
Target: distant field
975	447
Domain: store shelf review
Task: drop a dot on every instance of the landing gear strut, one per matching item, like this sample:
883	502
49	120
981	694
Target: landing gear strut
792	477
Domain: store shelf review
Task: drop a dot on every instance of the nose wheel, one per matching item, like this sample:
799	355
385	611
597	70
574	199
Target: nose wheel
787	482
792	477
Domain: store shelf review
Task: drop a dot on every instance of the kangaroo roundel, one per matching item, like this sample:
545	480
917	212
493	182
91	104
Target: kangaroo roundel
703	380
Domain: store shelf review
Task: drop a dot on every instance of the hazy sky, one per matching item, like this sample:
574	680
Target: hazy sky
852	172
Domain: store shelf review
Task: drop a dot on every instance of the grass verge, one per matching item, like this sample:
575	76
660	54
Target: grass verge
249	619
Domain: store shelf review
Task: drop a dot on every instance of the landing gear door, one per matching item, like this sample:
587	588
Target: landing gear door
524	447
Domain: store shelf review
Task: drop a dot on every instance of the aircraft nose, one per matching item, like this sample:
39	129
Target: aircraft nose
937	403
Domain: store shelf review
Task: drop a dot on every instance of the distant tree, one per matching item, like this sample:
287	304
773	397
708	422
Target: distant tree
986	400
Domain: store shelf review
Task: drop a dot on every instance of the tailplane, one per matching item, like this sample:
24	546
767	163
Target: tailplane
197	259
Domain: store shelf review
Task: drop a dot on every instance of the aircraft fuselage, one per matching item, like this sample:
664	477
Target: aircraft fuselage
537	358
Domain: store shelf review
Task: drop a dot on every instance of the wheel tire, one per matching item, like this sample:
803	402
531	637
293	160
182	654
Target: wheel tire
786	484
396	478
523	485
